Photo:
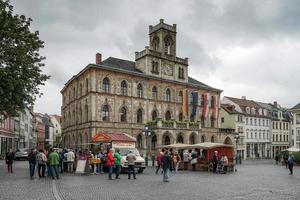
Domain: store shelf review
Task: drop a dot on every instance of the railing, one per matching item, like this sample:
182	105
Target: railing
168	124
194	125
181	60
181	124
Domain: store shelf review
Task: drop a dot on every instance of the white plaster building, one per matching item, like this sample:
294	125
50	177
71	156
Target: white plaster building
256	131
296	126
56	121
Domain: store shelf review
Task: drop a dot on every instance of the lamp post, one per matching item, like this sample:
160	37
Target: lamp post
147	133
236	138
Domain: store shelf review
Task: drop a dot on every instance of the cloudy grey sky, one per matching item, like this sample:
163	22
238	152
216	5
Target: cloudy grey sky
246	48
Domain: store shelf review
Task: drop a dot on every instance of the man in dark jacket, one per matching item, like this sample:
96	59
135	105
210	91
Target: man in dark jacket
32	162
166	165
9	161
215	161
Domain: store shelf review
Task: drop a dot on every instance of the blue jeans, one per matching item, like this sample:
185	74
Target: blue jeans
54	170
131	170
166	174
31	169
49	171
100	168
110	171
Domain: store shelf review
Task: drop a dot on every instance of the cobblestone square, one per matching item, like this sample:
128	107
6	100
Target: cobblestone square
254	180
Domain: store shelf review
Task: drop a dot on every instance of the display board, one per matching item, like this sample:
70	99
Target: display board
80	169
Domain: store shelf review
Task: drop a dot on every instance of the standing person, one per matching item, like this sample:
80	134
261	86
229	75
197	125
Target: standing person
176	160
9	161
276	159
32	162
291	161
65	160
186	159
166	165
118	158
194	159
101	156
158	160
42	161
131	158
70	160
215	161
54	163
110	161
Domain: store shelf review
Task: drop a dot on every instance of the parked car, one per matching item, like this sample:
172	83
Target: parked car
21	154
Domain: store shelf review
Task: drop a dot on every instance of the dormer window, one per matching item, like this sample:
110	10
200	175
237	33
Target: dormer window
248	110
253	111
260	111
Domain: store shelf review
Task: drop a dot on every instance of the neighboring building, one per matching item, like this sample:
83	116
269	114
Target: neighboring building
233	118
296	125
40	128
6	135
25	130
118	95
281	127
56	121
253	123
49	131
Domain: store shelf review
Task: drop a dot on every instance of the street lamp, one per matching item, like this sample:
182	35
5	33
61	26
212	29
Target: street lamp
236	138
147	133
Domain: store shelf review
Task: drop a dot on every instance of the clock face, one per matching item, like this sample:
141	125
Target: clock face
168	70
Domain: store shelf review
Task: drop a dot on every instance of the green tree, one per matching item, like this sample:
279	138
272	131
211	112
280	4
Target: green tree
20	62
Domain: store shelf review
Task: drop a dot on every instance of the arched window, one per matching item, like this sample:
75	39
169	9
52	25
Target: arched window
86	85
139	116
168	115
168	95
153	142
181	73
139	141
105	113
168	45
154	92
105	85
155	43
167	140
180	117
179	139
180	96
139	90
192	138
202	138
123	88
212	139
123	114
154	115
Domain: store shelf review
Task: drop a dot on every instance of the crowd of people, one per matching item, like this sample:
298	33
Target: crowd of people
287	159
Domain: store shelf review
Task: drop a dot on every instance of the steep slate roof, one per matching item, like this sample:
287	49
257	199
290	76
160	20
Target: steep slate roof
229	108
296	107
129	66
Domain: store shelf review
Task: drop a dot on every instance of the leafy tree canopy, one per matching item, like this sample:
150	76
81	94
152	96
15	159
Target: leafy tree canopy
20	62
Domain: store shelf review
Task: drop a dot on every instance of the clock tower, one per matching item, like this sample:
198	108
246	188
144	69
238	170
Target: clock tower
159	58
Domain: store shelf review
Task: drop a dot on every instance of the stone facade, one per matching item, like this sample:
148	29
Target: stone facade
123	96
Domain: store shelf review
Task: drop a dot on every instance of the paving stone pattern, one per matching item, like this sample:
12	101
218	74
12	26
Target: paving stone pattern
254	180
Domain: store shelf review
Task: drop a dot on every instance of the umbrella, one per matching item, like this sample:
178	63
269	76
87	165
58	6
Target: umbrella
292	149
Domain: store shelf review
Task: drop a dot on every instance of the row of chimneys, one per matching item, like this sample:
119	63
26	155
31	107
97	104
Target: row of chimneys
274	103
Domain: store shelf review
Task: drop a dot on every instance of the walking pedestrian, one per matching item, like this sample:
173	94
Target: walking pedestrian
54	163
276	159
186	159
32	162
176	160
110	161
118	158
215	161
158	160
166	165
70	160
9	161
194	159
42	161
101	156
131	158
291	161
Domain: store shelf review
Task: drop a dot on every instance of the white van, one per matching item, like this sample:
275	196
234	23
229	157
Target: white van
139	162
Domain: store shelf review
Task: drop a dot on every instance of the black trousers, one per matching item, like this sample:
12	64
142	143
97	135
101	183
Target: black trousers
41	170
9	167
291	168
118	169
157	168
131	170
186	164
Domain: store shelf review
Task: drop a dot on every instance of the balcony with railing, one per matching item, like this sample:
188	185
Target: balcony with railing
173	125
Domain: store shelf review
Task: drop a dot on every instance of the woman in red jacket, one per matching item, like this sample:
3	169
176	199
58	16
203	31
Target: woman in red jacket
110	162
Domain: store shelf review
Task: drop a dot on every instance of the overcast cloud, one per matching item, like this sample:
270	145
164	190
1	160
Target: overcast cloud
246	48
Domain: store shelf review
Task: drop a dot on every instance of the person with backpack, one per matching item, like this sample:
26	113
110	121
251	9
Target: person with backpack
42	161
101	156
158	160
